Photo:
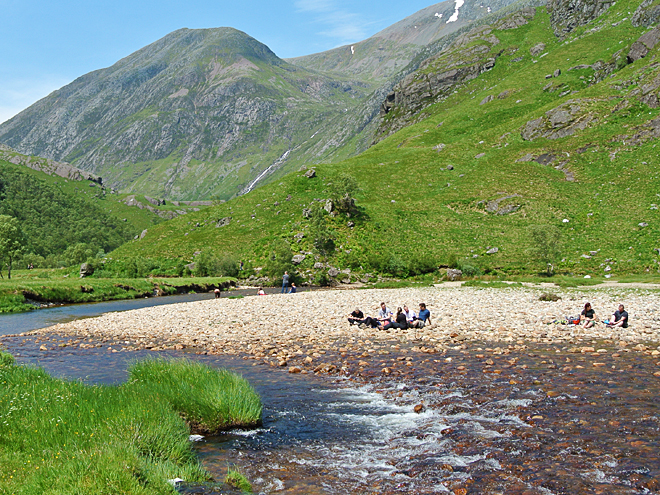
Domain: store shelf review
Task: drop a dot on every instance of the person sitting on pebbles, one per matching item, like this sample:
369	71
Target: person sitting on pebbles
384	314
588	316
261	292
619	318
410	315
400	322
356	317
423	317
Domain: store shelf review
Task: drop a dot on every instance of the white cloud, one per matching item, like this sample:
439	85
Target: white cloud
342	26
18	94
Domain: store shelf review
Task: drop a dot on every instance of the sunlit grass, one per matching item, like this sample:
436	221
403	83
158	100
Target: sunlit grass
64	437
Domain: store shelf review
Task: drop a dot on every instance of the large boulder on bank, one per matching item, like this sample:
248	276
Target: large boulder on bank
86	270
297	259
454	274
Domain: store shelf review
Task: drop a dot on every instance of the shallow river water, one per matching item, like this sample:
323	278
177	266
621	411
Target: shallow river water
480	420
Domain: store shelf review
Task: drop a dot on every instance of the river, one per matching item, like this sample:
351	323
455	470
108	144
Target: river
475	419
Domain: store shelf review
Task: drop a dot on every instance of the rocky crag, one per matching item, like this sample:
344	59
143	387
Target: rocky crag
48	166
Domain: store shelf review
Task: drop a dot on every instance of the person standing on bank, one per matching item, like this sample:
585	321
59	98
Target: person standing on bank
285	283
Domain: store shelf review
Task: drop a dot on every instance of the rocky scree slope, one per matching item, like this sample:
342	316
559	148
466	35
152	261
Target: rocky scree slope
559	133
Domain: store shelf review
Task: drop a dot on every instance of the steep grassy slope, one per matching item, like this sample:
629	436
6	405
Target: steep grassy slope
594	175
78	183
57	213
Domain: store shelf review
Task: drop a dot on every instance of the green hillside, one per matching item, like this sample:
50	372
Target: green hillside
56	214
508	150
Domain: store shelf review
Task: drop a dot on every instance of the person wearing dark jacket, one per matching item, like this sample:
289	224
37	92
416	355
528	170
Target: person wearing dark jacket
619	318
400	321
356	317
588	316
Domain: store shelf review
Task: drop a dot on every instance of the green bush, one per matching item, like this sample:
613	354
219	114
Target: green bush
421	265
397	266
470	270
228	266
322	279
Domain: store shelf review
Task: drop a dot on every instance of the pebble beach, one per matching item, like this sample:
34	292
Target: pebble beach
306	325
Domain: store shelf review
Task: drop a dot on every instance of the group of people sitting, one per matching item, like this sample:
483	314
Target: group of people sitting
386	319
618	319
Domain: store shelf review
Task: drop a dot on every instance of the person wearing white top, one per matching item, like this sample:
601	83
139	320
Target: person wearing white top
410	315
384	313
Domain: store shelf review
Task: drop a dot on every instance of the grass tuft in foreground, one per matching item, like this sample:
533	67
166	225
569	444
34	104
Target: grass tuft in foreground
238	480
62	437
210	400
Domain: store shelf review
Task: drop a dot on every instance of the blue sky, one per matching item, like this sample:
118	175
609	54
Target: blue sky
45	45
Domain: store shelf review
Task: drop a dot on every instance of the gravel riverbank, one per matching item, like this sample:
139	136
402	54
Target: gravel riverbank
280	325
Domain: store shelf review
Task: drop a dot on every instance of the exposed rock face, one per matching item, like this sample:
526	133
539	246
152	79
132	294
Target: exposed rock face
643	45
86	270
550	159
537	49
644	132
454	274
559	122
50	167
468	56
131	200
566	15
647	14
503	206
223	222
155	202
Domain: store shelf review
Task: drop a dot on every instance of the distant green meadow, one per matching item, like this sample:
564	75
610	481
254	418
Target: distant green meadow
29	288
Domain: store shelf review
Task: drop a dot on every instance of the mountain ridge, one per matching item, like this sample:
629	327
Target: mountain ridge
201	114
